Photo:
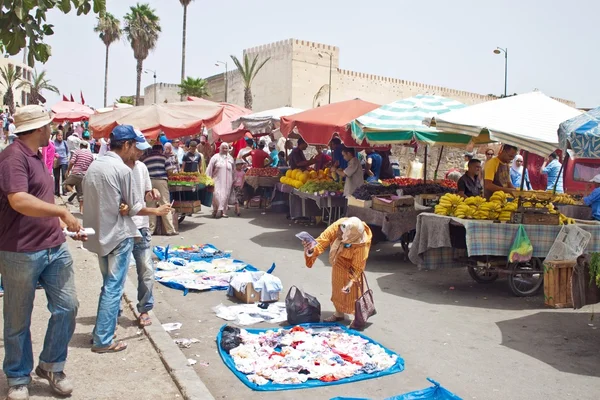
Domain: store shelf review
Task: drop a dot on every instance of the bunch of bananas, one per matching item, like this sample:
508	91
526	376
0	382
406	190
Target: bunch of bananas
493	209
564	198
474	201
563	220
500	197
448	204
465	211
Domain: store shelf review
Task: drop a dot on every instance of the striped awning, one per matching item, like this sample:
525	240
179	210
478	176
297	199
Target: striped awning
401	122
529	121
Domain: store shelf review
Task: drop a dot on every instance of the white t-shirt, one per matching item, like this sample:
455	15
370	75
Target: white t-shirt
103	147
141	183
11	129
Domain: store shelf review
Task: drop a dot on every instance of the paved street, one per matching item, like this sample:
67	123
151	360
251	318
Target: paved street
478	341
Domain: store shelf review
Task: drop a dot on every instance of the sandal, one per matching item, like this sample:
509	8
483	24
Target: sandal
92	339
333	318
224	215
144	320
113	348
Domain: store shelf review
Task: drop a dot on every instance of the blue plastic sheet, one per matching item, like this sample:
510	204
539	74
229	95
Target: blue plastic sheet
207	252
228	360
436	392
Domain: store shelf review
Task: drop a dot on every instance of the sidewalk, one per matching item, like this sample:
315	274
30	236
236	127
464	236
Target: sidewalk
136	373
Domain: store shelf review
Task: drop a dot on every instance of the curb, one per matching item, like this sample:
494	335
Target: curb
187	381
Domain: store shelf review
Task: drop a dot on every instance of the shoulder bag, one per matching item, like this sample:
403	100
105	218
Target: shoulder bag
364	307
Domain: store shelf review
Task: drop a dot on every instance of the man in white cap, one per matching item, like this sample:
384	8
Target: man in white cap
32	249
108	183
593	200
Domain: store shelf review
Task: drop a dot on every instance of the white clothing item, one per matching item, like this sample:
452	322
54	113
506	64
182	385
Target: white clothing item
142	184
281	144
103	147
11	129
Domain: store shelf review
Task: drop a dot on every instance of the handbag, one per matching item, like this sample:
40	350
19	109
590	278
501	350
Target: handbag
56	163
364	307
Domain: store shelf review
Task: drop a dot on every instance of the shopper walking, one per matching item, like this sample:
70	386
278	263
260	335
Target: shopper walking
32	249
61	162
159	169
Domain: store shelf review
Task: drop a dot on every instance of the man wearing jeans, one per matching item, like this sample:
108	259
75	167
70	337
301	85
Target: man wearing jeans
32	249
108	183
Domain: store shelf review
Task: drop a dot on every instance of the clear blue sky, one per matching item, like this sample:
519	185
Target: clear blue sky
551	44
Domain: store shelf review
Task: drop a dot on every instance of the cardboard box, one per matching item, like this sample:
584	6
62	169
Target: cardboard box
391	203
250	295
353	201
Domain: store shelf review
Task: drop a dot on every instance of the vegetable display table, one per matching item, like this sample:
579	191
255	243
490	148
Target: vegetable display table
187	196
310	205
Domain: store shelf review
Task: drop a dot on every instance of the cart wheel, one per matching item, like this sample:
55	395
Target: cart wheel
482	274
181	218
522	283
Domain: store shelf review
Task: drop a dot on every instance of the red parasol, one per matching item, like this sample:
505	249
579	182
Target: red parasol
70	111
174	119
319	125
231	112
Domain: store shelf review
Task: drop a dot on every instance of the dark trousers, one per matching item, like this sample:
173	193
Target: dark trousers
62	170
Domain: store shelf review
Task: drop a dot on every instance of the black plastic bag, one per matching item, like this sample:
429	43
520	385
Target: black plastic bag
302	307
230	338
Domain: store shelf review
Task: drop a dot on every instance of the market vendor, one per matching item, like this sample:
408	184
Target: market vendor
353	173
349	240
336	152
373	165
322	159
497	172
593	200
469	184
297	158
259	157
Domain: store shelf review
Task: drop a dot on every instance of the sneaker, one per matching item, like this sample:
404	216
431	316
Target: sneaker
58	381
18	392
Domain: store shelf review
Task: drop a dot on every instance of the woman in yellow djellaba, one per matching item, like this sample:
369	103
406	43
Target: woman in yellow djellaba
350	241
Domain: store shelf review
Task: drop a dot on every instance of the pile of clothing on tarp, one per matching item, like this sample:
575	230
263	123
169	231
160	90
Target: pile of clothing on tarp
267	284
195	252
326	353
215	274
249	314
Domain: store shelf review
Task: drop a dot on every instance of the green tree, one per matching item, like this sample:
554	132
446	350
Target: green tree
185	4
194	87
248	71
125	100
142	28
10	80
24	24
37	85
109	30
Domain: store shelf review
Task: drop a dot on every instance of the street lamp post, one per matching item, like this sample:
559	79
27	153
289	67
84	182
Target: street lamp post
330	69
146	71
500	50
226	76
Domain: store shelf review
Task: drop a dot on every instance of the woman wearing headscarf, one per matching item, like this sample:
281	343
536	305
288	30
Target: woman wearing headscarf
349	240
172	161
220	169
516	173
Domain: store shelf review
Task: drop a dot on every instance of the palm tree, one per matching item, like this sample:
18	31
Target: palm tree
185	4
125	100
10	80
36	86
248	71
194	87
142	29
109	29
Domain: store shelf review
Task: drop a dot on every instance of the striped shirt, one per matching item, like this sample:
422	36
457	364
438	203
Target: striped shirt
157	165
81	161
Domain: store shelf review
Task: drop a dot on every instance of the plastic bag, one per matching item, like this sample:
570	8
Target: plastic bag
230	338
301	307
521	249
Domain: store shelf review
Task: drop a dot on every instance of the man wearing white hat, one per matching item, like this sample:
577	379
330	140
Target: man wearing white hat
593	200
32	249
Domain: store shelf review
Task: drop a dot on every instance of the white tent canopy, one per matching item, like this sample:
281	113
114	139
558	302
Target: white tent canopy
529	121
265	121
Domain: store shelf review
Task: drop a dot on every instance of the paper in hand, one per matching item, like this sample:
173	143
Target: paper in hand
306	237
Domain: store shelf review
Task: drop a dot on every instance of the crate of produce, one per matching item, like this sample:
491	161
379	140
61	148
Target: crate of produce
557	283
534	218
392	203
187	207
353	201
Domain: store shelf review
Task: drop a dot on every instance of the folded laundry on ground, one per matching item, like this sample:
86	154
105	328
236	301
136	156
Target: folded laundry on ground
248	314
268	285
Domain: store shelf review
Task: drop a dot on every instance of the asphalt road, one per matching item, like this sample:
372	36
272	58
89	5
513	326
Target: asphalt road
478	341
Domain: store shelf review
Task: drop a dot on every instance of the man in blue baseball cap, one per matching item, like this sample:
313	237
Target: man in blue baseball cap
109	183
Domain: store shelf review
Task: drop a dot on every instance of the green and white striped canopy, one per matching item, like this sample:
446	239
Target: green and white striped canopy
401	122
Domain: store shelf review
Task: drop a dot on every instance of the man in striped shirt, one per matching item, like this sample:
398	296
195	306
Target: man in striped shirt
159	170
78	166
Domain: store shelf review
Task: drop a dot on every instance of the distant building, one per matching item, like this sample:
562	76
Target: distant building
20	95
165	93
297	75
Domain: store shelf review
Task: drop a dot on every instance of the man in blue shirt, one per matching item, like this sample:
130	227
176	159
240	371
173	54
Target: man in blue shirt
593	200
338	158
374	165
553	171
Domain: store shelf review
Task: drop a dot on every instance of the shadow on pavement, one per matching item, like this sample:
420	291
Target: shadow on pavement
563	340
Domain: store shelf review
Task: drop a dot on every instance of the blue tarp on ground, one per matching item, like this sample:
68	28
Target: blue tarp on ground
436	392
228	360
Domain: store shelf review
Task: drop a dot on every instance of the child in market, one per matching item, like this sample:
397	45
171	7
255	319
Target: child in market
238	184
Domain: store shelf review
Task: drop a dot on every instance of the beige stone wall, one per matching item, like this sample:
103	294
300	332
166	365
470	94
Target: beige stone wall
164	91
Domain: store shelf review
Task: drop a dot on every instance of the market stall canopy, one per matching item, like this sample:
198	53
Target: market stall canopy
114	107
70	111
264	122
223	129
528	121
401	122
319	125
582	133
174	119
